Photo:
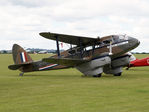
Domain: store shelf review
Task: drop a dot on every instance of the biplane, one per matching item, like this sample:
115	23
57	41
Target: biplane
91	56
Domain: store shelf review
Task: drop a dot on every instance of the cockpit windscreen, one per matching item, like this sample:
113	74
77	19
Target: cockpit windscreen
119	38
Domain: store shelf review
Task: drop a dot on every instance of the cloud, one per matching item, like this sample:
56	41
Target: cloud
22	20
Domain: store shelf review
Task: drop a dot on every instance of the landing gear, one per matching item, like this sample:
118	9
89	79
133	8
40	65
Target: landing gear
21	74
118	74
127	68
99	75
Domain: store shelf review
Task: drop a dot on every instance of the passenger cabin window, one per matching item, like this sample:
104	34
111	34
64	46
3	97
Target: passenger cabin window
89	48
78	50
72	52
108	41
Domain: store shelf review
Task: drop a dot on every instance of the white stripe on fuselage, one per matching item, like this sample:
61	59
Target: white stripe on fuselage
49	66
122	43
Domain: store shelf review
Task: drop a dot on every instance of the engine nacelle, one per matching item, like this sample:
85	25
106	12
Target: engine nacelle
94	67
117	65
109	70
120	62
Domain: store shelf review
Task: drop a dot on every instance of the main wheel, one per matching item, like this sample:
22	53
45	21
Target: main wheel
118	74
99	75
127	68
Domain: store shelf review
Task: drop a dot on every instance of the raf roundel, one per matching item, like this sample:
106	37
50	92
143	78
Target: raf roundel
148	61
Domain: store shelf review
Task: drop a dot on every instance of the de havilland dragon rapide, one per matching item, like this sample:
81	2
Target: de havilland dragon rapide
91	56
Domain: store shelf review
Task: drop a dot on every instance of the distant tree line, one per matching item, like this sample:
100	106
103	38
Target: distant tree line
5	51
32	51
140	52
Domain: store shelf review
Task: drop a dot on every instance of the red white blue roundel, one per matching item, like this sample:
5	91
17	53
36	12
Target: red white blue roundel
23	56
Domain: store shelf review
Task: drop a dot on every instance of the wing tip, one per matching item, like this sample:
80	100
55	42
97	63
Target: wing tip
43	33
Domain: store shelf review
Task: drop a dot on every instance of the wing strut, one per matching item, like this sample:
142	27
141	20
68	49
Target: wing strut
110	48
81	48
57	44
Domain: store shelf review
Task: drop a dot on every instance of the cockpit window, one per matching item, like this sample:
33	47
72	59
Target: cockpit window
120	38
123	37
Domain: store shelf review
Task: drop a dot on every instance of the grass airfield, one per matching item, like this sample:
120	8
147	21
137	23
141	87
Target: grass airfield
66	91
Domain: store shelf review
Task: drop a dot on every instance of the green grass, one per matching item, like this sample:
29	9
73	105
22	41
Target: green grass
66	91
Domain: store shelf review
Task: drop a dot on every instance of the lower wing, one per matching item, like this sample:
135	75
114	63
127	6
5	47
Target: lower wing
65	61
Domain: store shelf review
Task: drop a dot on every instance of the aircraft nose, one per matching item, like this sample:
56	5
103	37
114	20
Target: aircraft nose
133	42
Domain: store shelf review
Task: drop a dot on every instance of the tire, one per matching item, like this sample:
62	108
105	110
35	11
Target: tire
127	68
99	75
118	74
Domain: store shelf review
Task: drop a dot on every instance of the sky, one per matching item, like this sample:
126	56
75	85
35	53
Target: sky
21	21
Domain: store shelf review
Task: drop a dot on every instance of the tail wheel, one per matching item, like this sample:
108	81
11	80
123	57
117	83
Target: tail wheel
118	74
21	74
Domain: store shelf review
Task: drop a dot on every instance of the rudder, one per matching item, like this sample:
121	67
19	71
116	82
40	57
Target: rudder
20	56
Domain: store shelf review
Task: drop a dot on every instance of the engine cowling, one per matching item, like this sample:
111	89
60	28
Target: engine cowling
117	65
94	67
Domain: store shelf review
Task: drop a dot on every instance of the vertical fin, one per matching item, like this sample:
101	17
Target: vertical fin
20	56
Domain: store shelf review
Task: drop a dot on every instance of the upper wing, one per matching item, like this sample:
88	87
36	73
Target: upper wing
75	40
65	61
